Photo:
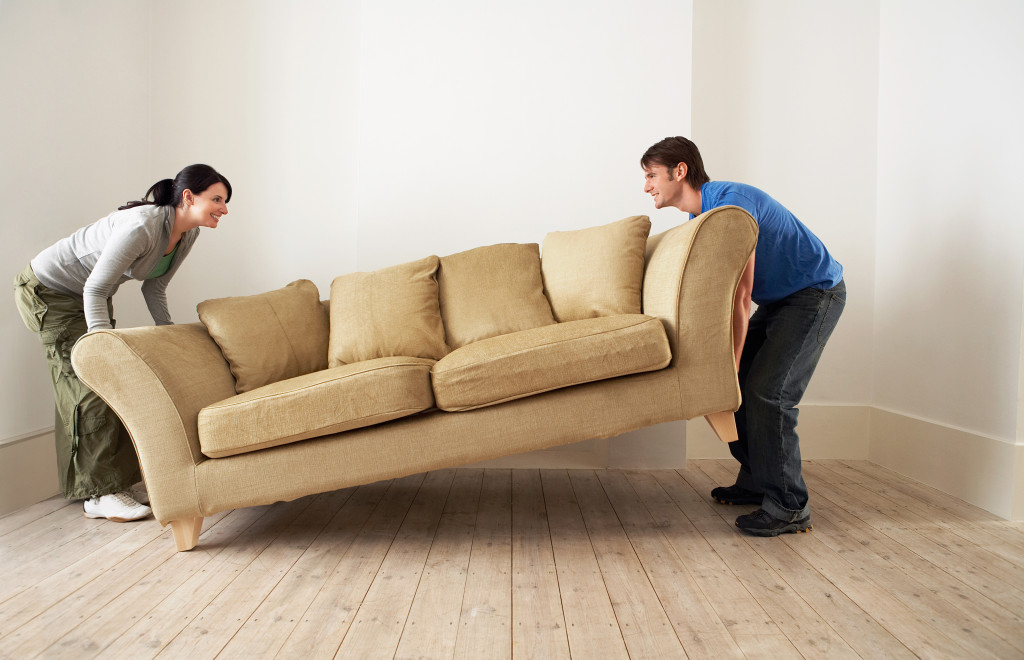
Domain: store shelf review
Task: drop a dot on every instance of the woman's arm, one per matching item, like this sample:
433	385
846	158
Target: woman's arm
119	253
155	290
155	293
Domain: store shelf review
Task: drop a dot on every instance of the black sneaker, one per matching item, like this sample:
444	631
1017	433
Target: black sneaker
762	523
735	495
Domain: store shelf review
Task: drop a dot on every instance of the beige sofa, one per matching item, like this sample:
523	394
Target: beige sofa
436	363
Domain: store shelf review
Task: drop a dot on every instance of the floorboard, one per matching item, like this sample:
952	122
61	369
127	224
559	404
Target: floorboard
472	563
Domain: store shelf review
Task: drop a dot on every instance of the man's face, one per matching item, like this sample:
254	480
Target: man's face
660	183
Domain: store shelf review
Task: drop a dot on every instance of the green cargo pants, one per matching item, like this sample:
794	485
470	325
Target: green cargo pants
95	455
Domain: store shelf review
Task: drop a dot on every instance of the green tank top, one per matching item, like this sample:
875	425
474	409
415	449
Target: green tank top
163	265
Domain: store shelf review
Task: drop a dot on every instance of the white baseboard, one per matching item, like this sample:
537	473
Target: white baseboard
981	470
984	471
826	431
28	471
662	446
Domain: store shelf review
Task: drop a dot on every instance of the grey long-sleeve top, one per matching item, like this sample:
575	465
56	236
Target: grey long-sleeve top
95	260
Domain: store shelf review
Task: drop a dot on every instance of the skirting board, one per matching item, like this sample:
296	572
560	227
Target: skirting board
28	471
984	471
826	431
662	446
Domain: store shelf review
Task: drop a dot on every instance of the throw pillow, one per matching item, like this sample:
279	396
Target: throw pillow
387	313
597	271
492	291
269	336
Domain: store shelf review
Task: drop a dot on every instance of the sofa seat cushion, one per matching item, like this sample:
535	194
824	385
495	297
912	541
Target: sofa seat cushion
329	401
528	362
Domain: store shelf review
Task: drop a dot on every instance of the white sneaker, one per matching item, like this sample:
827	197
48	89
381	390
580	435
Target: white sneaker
117	507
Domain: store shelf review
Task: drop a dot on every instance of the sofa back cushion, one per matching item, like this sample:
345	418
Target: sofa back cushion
386	313
597	271
490	291
269	336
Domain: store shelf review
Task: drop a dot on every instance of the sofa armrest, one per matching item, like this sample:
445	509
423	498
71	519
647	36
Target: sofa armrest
690	281
157	379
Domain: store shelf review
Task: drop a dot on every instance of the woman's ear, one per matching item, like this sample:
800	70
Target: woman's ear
187	198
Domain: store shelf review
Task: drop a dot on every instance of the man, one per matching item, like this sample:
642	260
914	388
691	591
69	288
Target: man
800	294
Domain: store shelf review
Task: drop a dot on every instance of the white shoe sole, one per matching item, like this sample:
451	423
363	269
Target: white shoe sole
117	520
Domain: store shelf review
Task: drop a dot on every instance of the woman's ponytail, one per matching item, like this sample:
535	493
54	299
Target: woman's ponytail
162	193
167	192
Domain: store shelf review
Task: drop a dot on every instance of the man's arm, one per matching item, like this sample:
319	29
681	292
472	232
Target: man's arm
741	309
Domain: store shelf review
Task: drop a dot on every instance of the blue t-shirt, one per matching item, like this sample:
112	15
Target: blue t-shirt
788	257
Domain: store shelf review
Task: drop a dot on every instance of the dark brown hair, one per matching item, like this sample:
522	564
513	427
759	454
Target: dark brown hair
674	150
167	192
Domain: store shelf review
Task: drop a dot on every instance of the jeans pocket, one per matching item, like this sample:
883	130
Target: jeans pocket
833	310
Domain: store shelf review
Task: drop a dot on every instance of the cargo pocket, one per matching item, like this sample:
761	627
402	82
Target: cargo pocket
30	306
103	463
67	389
62	346
88	422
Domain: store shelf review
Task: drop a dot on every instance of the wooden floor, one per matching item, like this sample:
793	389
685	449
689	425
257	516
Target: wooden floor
529	564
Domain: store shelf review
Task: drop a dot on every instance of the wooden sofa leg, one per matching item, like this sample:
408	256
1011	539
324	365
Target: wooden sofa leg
186	532
724	426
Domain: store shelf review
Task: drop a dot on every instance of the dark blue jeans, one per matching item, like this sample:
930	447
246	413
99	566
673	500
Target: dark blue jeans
783	344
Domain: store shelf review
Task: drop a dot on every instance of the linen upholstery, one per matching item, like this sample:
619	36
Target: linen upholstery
328	401
492	290
699	323
269	336
390	312
158	379
596	271
524	363
435	440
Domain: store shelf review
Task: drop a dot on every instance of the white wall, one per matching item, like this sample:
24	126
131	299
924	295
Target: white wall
355	135
950	239
785	99
892	129
74	139
483	123
950	277
268	93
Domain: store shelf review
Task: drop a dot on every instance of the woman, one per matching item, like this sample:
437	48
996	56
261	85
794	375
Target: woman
66	291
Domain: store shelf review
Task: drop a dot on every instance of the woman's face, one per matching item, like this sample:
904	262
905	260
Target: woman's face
206	208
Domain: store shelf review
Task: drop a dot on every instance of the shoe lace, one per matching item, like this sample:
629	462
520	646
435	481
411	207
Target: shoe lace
125	498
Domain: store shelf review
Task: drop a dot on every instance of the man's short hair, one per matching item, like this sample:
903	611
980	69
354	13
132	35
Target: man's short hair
674	150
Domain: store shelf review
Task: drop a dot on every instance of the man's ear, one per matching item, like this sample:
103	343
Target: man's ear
680	171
